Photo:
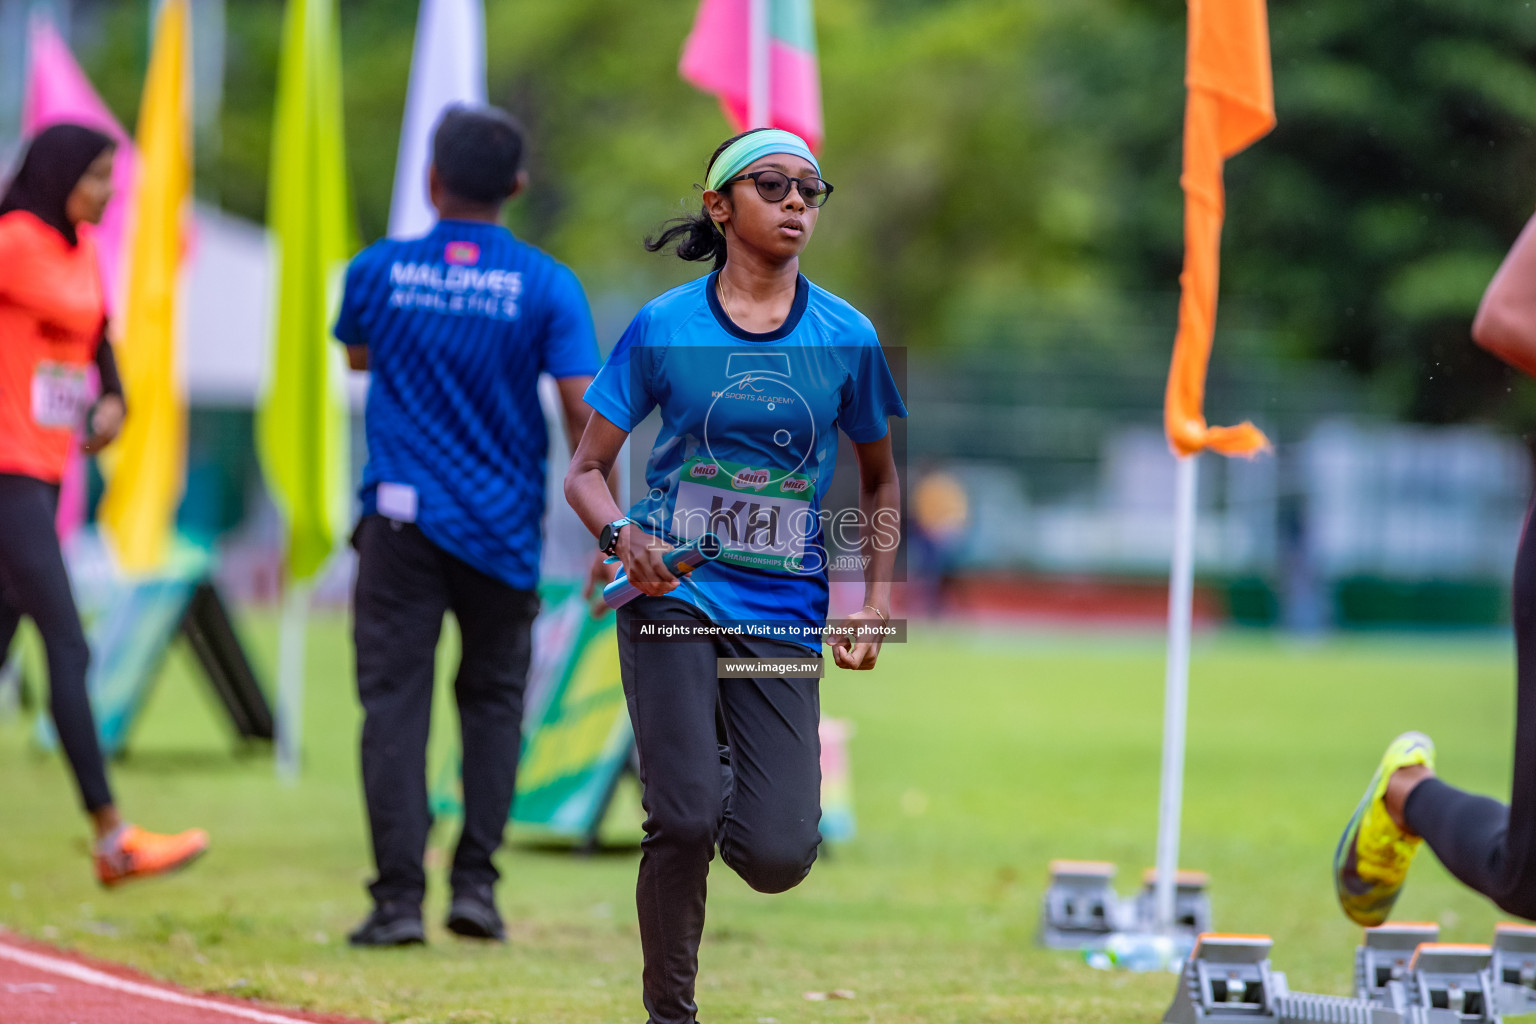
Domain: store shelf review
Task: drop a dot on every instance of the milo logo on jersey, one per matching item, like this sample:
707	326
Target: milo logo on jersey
751	479
763	516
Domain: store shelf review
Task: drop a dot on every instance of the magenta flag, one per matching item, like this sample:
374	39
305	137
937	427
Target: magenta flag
717	59
57	90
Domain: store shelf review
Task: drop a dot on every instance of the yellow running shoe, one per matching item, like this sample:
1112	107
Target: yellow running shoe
1373	855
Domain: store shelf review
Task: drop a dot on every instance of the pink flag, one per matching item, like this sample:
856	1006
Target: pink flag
57	90
717	59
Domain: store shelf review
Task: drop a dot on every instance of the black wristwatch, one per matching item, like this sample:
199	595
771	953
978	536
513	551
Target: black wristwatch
608	539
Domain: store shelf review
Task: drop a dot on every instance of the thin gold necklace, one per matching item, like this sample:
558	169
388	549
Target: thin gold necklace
720	293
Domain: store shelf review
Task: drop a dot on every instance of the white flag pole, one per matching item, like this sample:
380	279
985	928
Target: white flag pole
447	67
1181	585
758	97
290	679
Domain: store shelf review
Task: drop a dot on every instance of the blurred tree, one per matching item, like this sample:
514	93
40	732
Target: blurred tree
1401	172
946	204
1007	172
1368	224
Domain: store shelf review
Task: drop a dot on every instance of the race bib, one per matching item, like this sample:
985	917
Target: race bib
763	517
60	394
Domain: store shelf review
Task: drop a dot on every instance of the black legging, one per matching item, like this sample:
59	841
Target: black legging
1488	845
758	797
33	582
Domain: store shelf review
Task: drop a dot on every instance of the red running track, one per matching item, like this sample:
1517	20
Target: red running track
43	985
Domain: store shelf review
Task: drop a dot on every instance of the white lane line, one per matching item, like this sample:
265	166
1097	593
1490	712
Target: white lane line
75	972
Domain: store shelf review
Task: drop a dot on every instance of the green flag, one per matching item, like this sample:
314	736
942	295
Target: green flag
302	430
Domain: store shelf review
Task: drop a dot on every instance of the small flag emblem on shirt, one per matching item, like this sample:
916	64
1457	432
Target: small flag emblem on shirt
462	254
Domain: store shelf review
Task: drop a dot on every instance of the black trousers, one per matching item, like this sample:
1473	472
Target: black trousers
1489	845
34	583
730	761
405	584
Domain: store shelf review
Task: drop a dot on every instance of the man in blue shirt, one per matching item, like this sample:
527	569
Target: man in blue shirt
456	327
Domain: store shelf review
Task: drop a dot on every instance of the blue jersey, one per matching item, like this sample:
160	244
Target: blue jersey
458	326
748	443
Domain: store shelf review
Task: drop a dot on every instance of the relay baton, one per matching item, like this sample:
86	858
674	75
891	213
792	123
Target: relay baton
679	562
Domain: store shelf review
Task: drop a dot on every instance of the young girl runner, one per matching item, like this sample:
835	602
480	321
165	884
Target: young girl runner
754	370
52	320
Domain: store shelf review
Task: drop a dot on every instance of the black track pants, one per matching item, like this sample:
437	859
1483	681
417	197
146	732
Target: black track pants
1488	845
34	583
735	762
405	584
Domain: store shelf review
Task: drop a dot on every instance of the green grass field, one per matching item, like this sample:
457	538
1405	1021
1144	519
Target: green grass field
978	758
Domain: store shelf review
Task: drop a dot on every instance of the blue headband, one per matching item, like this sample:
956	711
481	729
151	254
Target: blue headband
753	147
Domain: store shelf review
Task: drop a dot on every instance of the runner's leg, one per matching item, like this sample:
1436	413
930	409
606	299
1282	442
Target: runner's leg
36	584
770	833
1489	846
10	619
672	690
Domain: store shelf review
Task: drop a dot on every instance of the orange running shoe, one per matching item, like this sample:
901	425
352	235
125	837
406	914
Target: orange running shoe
140	854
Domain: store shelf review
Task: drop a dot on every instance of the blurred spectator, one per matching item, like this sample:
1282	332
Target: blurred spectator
941	516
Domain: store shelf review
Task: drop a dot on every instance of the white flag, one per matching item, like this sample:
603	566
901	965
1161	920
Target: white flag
447	67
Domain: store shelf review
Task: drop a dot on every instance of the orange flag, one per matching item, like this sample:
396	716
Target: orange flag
1230	105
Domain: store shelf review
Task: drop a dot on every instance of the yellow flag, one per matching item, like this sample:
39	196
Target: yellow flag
301	425
138	511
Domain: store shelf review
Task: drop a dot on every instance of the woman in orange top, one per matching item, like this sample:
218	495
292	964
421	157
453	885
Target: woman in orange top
52	327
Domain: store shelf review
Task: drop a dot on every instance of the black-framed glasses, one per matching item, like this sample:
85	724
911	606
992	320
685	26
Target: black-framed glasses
774	186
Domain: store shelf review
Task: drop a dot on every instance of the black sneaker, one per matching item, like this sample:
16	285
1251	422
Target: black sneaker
390	924
473	915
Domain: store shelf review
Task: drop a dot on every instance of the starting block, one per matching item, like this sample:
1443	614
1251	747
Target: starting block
1455	977
1402	977
1081	909
1385	955
1514	968
1226	978
1191	902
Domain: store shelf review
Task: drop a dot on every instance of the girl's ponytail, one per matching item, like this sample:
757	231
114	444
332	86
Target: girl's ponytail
692	238
696	238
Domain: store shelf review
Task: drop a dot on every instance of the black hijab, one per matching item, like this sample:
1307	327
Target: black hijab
53	165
